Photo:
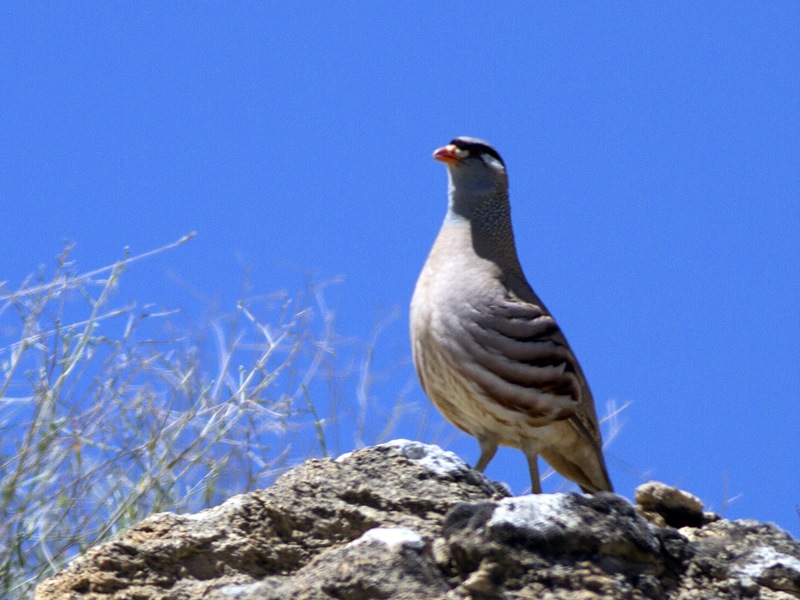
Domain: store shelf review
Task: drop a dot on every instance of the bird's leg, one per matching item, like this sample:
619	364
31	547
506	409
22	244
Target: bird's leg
533	467
488	449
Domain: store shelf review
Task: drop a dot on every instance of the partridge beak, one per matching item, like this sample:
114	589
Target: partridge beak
446	154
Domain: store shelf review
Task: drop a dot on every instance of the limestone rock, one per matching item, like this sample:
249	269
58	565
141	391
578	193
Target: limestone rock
408	521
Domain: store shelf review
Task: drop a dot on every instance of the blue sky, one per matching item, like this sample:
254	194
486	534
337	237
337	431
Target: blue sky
654	160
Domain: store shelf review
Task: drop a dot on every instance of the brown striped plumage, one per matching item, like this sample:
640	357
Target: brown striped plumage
487	351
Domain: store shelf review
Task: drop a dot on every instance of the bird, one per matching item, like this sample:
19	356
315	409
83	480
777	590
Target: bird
488	353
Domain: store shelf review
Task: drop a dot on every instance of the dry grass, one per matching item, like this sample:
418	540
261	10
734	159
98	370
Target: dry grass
109	413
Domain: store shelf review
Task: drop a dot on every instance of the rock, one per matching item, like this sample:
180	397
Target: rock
665	505
409	521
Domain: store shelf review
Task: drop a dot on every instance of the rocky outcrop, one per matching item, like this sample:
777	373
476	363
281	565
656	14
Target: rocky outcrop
408	521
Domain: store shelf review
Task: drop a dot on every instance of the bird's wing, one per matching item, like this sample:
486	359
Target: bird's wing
520	358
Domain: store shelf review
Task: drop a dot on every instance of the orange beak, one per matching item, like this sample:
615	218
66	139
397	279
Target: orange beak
446	154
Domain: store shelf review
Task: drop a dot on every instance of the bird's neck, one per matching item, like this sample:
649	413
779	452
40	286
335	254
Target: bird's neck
488	216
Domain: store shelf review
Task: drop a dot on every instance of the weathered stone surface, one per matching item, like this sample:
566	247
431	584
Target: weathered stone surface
665	505
408	521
